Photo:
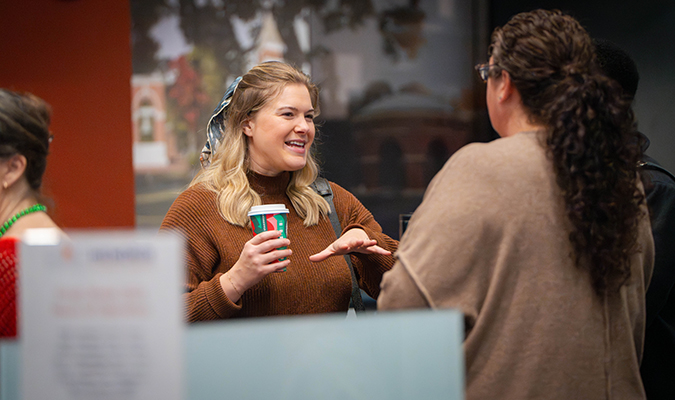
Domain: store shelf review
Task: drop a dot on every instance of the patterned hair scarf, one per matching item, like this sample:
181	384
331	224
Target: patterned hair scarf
216	122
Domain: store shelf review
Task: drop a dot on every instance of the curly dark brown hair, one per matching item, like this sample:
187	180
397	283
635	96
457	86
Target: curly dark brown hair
591	139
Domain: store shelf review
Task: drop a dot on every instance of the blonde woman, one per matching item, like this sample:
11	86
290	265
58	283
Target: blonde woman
259	151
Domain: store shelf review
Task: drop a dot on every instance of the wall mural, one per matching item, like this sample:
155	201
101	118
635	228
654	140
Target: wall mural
398	91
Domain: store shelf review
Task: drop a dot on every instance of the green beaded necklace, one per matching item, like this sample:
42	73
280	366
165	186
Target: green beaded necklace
11	221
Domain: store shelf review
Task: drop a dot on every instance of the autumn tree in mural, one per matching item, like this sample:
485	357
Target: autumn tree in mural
189	100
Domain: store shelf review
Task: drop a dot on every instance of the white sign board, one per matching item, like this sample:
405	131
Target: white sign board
101	316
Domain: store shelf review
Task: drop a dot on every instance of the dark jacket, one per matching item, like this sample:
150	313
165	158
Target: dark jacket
658	362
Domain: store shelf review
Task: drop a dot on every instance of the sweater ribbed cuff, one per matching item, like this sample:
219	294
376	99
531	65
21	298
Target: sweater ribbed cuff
221	304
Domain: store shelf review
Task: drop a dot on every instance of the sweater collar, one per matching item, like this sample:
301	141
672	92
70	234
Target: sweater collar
269	185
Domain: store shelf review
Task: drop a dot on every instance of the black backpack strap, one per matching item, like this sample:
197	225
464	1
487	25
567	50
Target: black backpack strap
651	165
322	187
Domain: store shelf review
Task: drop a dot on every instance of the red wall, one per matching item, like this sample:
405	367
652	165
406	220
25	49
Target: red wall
76	55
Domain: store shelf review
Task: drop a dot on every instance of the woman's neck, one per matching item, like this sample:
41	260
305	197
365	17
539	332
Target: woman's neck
514	119
269	185
14	199
520	122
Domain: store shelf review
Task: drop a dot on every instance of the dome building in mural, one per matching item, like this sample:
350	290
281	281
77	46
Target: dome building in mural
404	139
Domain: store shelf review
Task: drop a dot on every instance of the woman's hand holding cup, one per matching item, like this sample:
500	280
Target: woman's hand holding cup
259	258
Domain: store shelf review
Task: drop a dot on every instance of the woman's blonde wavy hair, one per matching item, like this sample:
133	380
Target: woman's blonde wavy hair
226	175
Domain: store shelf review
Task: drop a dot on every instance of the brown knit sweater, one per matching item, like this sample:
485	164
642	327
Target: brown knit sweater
214	246
491	238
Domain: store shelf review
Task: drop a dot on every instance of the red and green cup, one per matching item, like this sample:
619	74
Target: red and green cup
269	217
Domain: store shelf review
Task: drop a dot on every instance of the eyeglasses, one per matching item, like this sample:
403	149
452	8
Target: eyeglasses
484	70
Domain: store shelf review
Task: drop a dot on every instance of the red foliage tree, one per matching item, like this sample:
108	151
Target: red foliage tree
188	96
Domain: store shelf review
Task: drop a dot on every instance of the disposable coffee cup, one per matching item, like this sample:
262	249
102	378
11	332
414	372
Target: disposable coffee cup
269	217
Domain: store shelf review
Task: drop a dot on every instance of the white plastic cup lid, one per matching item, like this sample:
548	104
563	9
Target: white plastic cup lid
268	209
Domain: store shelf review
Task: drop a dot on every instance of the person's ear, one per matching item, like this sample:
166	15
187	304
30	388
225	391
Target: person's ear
506	87
15	166
247	127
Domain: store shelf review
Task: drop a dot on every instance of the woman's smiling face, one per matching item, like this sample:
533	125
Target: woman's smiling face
281	133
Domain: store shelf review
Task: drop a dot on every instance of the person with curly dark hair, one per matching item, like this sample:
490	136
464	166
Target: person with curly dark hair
541	238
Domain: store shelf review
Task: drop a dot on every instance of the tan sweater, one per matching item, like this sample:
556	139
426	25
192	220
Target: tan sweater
214	245
491	239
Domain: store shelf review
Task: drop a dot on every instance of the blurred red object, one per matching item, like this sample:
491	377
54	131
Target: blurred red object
8	273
